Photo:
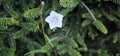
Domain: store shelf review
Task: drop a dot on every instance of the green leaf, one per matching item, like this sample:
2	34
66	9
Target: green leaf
116	1
46	48
1	42
118	54
102	52
34	51
81	41
20	33
69	3
86	15
109	16
32	26
12	42
86	22
72	42
116	37
92	33
57	36
8	21
61	49
100	26
4	51
65	11
30	46
73	52
3	27
32	13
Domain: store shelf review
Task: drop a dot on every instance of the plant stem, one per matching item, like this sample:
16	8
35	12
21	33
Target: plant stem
43	30
92	15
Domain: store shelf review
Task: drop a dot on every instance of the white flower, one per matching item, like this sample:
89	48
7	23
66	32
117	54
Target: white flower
54	19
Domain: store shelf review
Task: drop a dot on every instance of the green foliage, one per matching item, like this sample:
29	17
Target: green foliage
8	21
5	22
116	37
20	33
100	26
24	32
7	51
32	13
69	3
102	52
32	26
116	1
86	22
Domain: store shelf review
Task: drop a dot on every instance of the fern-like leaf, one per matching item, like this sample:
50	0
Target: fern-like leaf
32	13
69	3
86	22
116	1
100	26
30	26
19	34
8	21
5	22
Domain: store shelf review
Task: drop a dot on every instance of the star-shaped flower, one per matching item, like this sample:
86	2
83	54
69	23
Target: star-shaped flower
54	19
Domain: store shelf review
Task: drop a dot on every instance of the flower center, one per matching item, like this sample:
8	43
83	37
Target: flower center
55	19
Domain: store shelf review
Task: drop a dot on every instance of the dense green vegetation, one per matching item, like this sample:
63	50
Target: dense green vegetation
89	28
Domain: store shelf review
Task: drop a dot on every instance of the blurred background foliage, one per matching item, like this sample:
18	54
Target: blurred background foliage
90	28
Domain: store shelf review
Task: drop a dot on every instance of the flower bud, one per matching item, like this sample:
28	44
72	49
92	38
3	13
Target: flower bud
42	2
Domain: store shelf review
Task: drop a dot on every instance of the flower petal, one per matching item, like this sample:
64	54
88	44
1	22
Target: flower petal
48	19
60	17
52	25
59	24
52	13
54	19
